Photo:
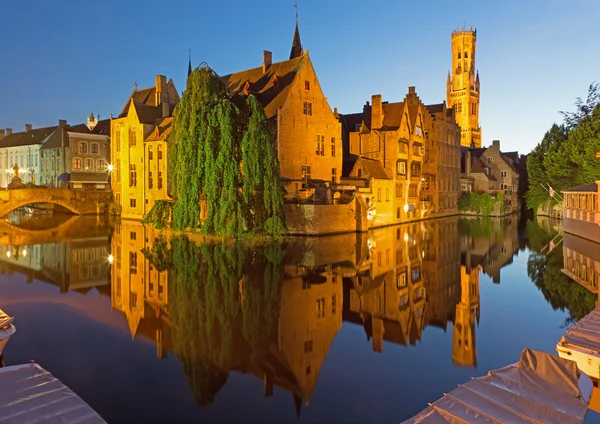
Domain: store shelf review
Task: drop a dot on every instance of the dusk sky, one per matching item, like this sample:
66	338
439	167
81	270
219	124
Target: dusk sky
63	59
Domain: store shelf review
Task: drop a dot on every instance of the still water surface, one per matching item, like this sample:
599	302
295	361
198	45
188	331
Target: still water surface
348	328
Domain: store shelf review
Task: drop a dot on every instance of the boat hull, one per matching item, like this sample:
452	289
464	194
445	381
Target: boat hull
587	361
5	336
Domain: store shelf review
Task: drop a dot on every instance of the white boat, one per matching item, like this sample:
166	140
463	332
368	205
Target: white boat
30	394
581	343
7	329
540	388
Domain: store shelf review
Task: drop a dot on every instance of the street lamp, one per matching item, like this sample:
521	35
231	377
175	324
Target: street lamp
110	167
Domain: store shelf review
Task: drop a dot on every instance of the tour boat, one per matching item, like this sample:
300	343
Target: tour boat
7	329
581	343
30	394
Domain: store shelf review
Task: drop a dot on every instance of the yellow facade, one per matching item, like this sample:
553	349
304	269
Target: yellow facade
462	87
464	351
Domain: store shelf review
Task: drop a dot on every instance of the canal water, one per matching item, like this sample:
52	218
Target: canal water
348	328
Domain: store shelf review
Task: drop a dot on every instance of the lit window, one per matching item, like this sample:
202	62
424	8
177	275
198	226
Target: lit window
83	147
77	164
307	110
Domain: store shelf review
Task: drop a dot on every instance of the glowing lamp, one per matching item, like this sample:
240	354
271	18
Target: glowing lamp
110	167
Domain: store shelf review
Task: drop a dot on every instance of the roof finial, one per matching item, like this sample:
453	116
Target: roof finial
135	86
296	44
190	63
297	11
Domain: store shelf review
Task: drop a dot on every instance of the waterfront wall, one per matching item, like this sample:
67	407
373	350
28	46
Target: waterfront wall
308	219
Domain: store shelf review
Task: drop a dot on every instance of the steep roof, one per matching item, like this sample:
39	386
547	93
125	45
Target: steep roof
55	140
28	138
588	188
162	130
392	115
351	120
436	108
296	44
373	168
270	91
147	114
145	96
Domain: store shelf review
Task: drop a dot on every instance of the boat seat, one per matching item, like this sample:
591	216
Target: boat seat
5	320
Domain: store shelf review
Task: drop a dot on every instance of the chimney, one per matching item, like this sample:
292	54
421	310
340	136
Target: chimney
62	123
267	60
468	163
28	127
376	112
8	131
496	144
411	89
2	133
165	109
161	87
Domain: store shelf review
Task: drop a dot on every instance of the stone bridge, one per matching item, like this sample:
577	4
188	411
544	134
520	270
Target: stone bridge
79	202
76	227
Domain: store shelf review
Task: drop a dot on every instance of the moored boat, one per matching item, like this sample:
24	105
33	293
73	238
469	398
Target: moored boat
581	343
7	329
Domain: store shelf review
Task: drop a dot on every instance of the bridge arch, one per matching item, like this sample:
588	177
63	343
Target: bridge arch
19	204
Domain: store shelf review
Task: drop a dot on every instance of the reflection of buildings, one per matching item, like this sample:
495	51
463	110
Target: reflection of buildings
73	265
581	262
464	352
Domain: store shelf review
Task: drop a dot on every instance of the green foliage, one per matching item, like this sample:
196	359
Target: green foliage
159	255
480	203
223	153
224	304
160	214
565	157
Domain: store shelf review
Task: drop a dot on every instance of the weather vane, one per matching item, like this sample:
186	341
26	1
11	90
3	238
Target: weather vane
297	11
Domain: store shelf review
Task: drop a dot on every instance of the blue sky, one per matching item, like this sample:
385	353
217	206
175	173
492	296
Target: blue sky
63	59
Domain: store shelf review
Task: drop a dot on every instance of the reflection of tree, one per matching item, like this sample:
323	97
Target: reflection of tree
224	303
545	270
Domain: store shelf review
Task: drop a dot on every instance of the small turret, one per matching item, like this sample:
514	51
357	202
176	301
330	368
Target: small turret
91	121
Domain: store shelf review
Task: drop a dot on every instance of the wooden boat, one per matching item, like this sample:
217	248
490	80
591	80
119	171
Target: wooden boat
540	388
7	329
581	343
30	394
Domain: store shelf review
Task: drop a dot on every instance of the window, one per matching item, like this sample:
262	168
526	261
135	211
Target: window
307	85
415	274
118	177
150	156
466	55
307	108
398	189
401	280
132	175
100	165
379	194
387	194
133	262
160	181
89	164
333	175
132	203
359	173
402	147
320	149
308	346
333	304
473	108
415	169
132	140
459	107
95	148
83	147
306	174
159	152
419	131
459	55
321	307
76	164
397	213
149	179
132	235
332	147
118	140
401	167
490	160
308	370
413	190
503	174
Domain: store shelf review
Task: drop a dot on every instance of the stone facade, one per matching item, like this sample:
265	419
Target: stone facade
146	116
462	87
403	158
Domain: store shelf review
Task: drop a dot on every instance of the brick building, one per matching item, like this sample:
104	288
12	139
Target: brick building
139	149
307	132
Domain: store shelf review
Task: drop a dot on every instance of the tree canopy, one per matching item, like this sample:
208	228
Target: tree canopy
222	157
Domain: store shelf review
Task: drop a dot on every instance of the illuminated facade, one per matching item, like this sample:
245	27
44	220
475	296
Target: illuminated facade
462	87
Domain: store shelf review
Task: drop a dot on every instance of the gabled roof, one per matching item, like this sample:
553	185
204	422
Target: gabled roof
436	108
588	188
392	115
479	166
373	168
271	92
162	130
36	136
57	138
145	96
147	114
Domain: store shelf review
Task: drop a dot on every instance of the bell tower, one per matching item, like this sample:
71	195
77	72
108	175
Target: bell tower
462	86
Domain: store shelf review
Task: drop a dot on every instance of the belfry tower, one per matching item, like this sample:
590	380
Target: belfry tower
462	87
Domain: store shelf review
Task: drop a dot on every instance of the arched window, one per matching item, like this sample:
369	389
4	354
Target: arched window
466	55
83	147
89	164
100	165
359	173
459	55
76	164
94	148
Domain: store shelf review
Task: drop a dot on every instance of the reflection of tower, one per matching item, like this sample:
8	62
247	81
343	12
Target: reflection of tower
464	352
462	87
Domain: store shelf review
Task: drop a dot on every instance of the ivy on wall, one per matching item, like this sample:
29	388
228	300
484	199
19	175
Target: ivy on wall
481	203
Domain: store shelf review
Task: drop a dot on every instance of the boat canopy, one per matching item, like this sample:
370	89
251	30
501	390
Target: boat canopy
5	320
540	388
30	394
585	334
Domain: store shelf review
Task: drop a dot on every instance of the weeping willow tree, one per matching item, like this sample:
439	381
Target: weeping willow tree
222	153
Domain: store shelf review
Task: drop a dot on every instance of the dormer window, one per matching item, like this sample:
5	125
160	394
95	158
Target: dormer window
307	85
247	88
275	82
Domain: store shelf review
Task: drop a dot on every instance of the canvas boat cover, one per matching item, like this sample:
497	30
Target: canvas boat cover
540	388
30	394
5	320
585	334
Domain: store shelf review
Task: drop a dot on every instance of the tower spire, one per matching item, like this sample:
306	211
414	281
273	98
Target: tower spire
296	44
190	63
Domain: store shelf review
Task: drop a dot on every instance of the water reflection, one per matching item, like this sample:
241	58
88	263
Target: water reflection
274	312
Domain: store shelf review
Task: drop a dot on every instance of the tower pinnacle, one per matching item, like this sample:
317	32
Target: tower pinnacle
296	44
190	63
